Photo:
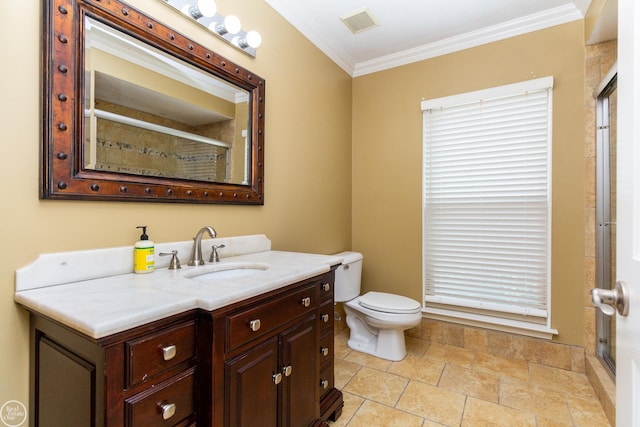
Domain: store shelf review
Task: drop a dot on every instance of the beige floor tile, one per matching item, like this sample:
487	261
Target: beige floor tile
343	371
450	354
503	366
368	360
419	369
545	422
433	403
381	387
340	347
480	413
416	346
442	385
545	402
475	384
351	405
587	412
574	383
372	414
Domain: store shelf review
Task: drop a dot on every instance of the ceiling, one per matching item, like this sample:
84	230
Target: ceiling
414	30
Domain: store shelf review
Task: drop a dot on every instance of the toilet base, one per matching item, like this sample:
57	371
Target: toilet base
384	342
388	344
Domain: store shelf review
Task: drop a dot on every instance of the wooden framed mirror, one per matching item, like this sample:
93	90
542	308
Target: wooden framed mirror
135	111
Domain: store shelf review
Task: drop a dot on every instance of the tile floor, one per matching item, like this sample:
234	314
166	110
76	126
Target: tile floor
442	385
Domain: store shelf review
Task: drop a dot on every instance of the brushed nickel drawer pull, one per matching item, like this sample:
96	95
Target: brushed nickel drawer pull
324	383
326	287
325	318
324	351
169	352
287	370
254	325
306	301
277	378
168	410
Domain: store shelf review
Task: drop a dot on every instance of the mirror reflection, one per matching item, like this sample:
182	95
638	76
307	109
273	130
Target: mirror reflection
148	113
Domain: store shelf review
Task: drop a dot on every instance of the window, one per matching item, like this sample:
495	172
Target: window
486	207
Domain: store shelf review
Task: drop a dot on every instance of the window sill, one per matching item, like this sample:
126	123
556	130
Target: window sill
490	322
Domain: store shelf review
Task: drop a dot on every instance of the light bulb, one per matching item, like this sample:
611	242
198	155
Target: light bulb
232	24
254	39
207	8
186	9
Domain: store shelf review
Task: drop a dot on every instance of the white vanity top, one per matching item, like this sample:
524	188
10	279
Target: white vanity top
96	292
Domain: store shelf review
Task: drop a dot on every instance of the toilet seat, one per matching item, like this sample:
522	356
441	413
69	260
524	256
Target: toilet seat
389	303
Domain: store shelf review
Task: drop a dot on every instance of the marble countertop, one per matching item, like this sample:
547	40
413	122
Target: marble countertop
101	306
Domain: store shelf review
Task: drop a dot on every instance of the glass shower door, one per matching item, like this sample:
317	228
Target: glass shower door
606	108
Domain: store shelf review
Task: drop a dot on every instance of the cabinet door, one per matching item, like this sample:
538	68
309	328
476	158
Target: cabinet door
251	387
300	395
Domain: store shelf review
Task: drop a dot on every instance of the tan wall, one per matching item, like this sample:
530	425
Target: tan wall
307	151
387	152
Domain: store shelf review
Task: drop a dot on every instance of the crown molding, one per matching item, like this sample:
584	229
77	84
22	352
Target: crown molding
582	6
516	27
312	31
538	21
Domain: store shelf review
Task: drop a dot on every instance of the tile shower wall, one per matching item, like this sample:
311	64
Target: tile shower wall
127	149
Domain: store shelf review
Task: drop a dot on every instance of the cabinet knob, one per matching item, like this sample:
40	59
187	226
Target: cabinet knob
169	352
277	378
324	383
287	370
168	410
325	318
326	287
254	325
306	301
324	351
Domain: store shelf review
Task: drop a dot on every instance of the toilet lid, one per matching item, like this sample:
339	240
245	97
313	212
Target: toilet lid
389	303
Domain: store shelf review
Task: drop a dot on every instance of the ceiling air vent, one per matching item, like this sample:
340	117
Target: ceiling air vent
359	20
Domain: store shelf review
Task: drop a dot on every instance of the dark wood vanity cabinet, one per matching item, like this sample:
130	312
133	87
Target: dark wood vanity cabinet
143	377
273	362
281	365
265	361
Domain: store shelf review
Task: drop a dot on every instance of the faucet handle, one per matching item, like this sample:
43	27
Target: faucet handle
174	264
214	253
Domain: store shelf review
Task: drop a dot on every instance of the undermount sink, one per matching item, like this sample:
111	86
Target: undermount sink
226	271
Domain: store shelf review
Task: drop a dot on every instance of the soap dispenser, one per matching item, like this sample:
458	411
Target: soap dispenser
143	260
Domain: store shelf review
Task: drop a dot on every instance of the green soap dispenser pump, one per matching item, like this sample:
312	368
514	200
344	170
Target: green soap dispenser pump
143	259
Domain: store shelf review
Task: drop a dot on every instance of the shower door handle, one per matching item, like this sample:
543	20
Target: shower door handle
611	300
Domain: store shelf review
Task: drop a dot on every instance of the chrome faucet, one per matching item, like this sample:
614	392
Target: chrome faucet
196	251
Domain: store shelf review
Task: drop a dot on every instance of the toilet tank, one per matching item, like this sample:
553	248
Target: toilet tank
348	276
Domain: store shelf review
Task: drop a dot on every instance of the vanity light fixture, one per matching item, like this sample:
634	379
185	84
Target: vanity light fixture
231	25
229	29
253	39
204	8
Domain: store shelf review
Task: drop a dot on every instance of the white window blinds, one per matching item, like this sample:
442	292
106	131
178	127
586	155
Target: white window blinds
486	201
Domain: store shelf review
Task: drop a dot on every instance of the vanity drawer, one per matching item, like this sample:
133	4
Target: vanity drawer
155	352
326	286
166	404
326	380
325	319
252	323
326	349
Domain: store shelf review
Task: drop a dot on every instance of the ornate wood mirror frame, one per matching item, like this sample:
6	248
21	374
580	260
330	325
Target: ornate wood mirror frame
63	171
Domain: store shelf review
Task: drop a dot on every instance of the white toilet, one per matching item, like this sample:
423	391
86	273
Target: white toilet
377	320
